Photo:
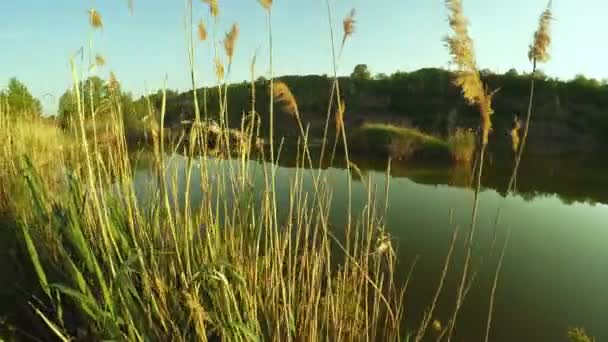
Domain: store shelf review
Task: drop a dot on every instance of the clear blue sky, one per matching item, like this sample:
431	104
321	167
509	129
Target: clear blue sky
38	36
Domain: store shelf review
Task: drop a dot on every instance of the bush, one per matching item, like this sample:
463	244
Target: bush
462	145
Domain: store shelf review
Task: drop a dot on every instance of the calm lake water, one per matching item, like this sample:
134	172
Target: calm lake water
555	271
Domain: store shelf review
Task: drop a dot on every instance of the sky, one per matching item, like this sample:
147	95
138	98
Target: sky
38	37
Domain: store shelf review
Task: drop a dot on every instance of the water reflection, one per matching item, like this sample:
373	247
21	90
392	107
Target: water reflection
556	269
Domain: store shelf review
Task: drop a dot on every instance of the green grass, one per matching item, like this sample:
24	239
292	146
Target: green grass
399	142
403	132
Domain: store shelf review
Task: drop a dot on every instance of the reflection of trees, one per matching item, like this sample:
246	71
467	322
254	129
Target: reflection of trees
571	179
461	175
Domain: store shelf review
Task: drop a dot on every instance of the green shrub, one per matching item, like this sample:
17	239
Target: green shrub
462	145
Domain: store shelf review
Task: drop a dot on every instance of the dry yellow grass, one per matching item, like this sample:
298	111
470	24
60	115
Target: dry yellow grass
539	50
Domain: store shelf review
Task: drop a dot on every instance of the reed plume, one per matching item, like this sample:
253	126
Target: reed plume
113	83
230	42
213	7
539	49
468	79
340	116
267	4
348	25
95	19
100	60
202	31
283	95
515	134
538	53
219	69
462	50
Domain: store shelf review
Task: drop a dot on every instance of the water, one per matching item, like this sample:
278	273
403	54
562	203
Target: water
555	271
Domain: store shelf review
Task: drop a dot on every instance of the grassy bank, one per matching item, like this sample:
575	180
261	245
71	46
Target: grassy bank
402	143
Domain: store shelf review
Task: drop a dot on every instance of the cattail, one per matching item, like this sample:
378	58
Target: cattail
340	116
468	79
100	60
282	95
219	69
542	38
202	31
349	25
267	4
95	19
213	7
230	41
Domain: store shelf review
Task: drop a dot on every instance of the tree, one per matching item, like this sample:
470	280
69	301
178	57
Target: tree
68	108
381	76
361	72
20	101
100	92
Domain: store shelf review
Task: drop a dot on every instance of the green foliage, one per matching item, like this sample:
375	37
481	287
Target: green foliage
398	142
19	100
462	145
361	72
98	91
423	98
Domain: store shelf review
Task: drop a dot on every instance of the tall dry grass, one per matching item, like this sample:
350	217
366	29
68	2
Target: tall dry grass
113	265
461	48
538	53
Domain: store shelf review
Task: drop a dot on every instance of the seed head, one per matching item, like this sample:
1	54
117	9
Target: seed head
219	69
100	60
437	325
213	7
515	134
230	41
542	37
267	4
283	95
113	83
340	116
349	25
95	19
468	79
202	31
